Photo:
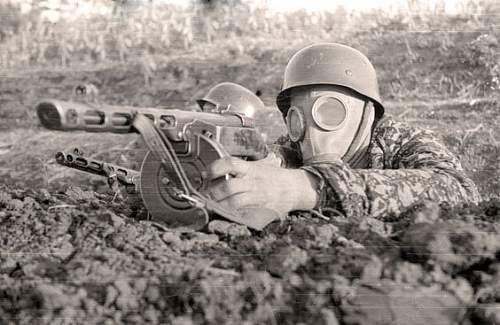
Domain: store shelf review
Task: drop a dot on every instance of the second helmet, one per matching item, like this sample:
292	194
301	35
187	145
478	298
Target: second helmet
228	96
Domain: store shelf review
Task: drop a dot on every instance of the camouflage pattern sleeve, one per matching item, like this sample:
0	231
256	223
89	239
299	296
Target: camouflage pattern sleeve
408	165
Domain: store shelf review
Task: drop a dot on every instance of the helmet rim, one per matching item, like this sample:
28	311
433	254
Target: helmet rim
283	98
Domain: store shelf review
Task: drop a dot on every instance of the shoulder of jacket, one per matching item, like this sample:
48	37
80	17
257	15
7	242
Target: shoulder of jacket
388	127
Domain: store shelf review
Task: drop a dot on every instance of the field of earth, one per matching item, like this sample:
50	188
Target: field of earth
71	251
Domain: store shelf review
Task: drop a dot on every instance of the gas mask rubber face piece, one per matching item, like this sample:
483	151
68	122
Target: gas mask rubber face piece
330	125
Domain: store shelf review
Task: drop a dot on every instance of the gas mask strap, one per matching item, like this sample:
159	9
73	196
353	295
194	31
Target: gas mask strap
358	138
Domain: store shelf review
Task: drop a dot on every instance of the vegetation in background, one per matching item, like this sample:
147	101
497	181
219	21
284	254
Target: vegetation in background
463	47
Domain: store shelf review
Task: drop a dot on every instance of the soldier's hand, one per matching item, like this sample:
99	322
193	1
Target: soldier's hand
261	184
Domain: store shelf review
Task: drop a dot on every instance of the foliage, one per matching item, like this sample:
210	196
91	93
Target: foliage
466	42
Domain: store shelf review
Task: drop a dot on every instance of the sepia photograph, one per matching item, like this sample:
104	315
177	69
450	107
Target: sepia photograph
184	162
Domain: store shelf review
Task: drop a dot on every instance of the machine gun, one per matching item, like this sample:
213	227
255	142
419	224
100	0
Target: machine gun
182	144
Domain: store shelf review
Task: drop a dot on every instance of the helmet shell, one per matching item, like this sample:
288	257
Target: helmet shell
331	64
234	97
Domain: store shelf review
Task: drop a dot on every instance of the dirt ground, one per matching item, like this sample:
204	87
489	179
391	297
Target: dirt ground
72	253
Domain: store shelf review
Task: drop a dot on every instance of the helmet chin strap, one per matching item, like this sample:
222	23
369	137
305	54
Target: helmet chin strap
357	152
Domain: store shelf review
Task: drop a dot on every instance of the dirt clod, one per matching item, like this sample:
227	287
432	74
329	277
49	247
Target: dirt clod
285	259
455	245
391	303
229	229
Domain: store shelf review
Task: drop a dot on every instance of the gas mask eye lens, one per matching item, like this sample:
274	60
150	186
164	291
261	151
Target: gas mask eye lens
329	113
295	124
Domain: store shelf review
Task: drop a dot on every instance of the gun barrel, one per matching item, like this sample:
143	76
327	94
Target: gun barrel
70	116
124	175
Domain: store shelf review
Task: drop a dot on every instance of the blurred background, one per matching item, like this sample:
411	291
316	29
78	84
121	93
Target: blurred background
422	49
438	62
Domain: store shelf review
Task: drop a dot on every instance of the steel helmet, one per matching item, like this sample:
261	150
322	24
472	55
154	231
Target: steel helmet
228	96
331	64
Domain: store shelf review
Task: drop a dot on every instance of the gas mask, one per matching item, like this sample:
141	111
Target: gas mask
330	125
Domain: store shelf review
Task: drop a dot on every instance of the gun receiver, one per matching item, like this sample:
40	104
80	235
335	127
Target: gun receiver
182	144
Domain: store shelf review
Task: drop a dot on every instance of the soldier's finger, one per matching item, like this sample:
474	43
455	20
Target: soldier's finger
227	166
226	188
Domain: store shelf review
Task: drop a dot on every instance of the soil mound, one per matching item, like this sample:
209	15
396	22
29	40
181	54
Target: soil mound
79	256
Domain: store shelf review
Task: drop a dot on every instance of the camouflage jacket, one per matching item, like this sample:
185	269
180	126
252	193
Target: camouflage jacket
406	166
